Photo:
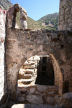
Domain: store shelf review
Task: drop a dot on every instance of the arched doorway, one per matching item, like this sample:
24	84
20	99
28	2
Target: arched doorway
36	70
45	71
36	76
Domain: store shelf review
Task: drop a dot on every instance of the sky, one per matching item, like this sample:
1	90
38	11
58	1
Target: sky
38	8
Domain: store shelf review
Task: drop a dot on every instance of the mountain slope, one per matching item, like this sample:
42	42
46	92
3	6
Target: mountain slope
5	4
50	20
32	24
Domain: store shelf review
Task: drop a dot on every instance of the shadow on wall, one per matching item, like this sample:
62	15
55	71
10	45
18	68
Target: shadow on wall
45	72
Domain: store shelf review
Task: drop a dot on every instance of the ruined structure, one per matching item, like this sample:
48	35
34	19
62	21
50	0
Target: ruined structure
23	18
54	49
11	17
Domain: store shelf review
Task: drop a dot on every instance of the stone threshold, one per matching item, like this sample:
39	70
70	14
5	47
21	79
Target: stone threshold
33	106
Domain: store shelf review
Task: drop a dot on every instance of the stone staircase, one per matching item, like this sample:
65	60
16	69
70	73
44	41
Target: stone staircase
27	73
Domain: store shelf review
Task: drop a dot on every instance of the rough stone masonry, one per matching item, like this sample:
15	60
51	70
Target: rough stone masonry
21	45
65	15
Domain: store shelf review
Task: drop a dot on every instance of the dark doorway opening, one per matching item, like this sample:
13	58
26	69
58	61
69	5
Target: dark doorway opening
45	72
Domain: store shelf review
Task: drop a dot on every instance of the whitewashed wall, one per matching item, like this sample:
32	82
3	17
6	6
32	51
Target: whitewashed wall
2	37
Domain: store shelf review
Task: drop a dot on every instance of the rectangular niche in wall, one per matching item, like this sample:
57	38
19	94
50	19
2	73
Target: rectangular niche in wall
45	72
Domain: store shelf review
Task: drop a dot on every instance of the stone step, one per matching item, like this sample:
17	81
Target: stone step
28	72
25	70
24	76
35	106
27	76
29	67
20	85
18	106
25	81
30	62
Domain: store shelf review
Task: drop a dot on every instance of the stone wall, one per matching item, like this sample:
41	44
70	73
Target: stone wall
38	94
21	45
65	15
2	37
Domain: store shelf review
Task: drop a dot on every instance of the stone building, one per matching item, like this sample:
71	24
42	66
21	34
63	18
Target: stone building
52	74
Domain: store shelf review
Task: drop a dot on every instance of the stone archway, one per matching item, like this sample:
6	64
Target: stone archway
58	74
37	68
58	77
25	83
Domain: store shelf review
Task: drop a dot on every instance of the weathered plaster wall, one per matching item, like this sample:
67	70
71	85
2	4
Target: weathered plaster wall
65	15
2	37
21	45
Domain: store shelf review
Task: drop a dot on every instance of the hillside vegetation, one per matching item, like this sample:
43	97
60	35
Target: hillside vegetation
50	20
33	24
